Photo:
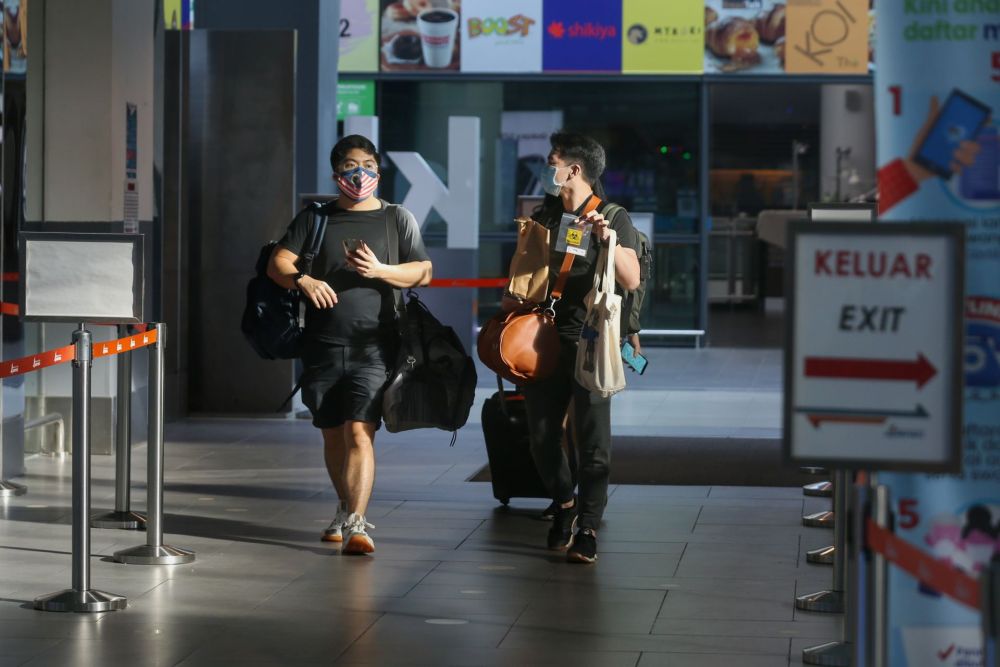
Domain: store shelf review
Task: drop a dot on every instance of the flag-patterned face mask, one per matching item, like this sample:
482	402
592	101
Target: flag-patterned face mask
358	183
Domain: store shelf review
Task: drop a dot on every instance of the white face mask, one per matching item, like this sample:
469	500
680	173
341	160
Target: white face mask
547	179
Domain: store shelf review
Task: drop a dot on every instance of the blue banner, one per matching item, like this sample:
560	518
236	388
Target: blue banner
937	87
582	36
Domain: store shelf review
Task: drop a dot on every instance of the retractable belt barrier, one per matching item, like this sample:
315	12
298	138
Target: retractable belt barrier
469	282
933	573
62	355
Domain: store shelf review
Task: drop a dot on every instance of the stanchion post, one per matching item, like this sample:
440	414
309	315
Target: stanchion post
80	597
877	649
154	552
835	600
122	517
990	602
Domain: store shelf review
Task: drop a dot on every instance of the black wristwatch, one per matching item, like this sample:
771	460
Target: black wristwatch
298	276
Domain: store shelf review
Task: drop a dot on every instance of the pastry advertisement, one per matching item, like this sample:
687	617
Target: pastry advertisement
582	36
501	36
938	156
359	36
420	35
745	36
662	37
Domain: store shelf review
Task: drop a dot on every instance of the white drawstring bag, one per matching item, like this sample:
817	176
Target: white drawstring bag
599	366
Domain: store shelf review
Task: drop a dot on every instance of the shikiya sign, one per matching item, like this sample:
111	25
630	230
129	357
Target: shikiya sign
582	36
501	37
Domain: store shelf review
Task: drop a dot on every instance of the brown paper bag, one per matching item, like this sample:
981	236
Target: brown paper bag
529	267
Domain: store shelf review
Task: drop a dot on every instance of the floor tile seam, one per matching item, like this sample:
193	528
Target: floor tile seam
447	470
379	616
659	609
677	567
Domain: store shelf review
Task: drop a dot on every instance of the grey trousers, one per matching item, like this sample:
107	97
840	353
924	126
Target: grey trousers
546	402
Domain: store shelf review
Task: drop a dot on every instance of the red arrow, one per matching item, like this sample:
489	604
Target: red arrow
919	371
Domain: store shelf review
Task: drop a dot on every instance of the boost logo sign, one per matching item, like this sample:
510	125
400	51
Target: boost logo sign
519	24
582	36
508	43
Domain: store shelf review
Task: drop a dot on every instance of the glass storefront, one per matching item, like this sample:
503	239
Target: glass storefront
764	153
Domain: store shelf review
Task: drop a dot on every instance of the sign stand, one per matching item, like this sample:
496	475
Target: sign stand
122	517
81	597
154	551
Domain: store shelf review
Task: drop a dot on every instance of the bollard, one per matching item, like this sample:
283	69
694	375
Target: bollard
822	489
837	654
822	555
991	612
877	648
154	552
122	517
832	601
81	597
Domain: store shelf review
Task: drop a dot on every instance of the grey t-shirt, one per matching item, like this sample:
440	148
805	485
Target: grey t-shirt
365	310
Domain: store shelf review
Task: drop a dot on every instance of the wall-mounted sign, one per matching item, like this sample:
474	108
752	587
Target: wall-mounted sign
827	37
359	36
873	362
177	14
663	37
582	36
355	98
420	35
501	36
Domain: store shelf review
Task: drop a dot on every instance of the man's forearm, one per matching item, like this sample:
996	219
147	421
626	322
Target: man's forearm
410	274
282	272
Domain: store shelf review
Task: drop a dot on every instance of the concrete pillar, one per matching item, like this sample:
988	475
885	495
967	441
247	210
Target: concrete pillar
77	176
847	121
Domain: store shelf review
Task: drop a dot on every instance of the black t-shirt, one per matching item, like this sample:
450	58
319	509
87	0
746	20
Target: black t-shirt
570	310
365	310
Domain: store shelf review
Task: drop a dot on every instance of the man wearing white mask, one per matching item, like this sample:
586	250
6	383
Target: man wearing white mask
572	184
350	330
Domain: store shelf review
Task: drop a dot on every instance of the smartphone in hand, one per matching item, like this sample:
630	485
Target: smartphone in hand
635	360
961	118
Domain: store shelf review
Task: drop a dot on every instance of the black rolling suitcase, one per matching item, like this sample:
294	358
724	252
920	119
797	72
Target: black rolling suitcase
505	429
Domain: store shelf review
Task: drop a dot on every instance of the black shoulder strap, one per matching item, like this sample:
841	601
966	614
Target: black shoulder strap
315	237
392	240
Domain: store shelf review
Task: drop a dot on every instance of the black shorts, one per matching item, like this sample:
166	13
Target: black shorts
344	383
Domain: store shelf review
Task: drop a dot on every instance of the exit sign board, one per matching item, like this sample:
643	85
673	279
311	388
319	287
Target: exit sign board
873	358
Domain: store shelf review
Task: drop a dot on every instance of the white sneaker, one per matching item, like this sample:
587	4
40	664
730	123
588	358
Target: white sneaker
357	540
335	533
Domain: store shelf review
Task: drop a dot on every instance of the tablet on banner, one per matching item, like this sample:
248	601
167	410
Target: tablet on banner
582	36
420	35
662	37
501	36
358	36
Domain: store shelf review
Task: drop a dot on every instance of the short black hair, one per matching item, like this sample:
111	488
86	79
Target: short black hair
581	149
349	143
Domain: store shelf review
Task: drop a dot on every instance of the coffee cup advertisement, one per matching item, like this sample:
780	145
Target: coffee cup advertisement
420	35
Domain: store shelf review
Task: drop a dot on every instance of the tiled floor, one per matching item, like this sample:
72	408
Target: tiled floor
687	576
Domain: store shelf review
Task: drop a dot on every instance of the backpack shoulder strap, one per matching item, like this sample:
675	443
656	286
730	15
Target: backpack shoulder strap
393	212
315	242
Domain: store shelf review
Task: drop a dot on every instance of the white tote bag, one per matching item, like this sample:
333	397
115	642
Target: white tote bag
599	365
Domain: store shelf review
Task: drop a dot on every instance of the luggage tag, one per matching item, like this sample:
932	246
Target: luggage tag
573	238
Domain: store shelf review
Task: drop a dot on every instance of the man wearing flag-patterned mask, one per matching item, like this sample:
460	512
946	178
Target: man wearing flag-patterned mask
350	331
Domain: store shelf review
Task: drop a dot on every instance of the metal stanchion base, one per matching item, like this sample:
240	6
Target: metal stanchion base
122	520
8	489
818	520
88	600
833	654
145	554
822	556
828	602
818	489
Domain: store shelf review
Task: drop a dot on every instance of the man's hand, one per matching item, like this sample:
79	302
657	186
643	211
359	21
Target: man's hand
602	228
321	294
364	261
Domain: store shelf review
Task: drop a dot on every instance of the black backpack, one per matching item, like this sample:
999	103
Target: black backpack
433	383
270	320
632	305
